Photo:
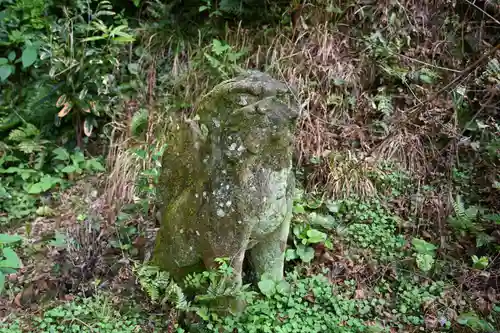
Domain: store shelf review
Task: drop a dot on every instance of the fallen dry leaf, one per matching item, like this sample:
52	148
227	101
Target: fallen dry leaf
359	294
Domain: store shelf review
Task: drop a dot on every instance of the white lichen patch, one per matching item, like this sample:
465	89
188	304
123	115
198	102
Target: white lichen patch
242	100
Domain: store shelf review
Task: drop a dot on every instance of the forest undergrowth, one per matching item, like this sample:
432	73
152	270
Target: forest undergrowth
397	208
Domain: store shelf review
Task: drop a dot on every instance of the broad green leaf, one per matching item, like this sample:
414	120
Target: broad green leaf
298	209
426	79
493	217
4	194
61	154
480	263
29	56
290	254
324	221
11	259
483	239
133	68
78	157
329	244
140	153
8	239
95	165
45	183
88	126
297	230
266	276
333	206
4	61
315	236
35	188
465	318
5	71
472	211
267	287
69	169
305	253
283	287
219	48
12	56
421	246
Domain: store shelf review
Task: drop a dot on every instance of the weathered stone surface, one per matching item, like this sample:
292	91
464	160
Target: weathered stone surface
226	183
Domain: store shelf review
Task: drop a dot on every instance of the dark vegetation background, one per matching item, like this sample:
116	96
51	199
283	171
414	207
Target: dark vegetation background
399	141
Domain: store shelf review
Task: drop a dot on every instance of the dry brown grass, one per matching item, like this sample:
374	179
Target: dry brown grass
346	175
407	149
120	184
333	79
315	60
319	64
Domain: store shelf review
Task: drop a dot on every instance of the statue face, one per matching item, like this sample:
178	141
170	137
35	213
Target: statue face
270	125
251	117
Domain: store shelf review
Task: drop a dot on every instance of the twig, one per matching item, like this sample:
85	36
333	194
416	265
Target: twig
460	76
473	118
483	11
425	63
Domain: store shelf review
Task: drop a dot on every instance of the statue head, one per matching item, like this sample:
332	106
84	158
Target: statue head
255	115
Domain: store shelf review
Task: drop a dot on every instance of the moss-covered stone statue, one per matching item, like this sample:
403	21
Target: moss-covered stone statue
226	182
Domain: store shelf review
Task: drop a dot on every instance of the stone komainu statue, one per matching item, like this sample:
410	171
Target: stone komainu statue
226	182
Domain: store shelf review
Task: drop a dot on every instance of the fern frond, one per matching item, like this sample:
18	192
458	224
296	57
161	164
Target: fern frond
383	103
17	135
29	147
160	287
459	208
26	132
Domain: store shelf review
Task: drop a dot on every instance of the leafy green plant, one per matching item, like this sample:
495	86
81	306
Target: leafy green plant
9	260
213	290
24	182
208	6
22	23
268	286
370	227
160	288
305	236
474	322
479	263
425	254
383	103
307	226
75	163
224	59
148	178
464	219
89	70
96	314
411	296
